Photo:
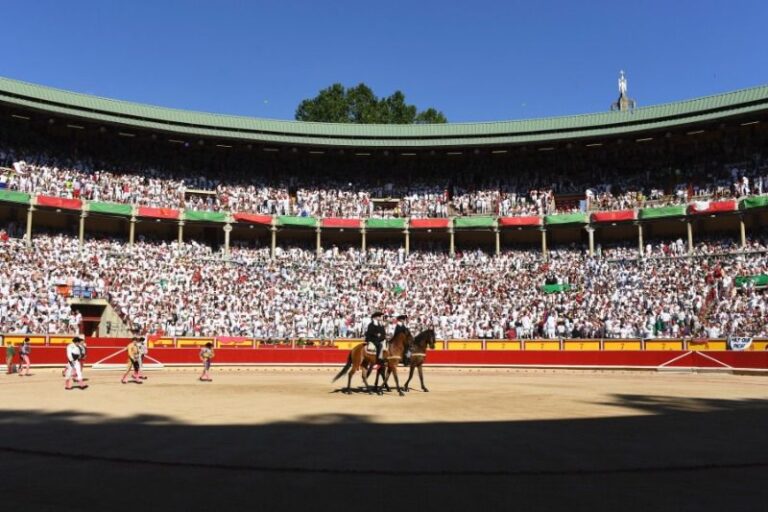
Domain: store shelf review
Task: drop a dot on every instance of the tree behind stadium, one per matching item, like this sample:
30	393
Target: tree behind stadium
359	104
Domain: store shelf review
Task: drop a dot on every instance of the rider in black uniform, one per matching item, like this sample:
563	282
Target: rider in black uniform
401	327
376	333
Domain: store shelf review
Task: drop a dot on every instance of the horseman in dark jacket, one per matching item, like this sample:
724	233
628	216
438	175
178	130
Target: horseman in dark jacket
376	333
401	327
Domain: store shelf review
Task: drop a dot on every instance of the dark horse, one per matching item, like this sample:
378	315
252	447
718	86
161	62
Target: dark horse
424	340
359	358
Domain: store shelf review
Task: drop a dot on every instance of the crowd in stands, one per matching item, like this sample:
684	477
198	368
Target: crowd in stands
190	290
500	192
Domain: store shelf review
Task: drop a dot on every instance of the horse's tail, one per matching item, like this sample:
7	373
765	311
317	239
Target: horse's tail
345	369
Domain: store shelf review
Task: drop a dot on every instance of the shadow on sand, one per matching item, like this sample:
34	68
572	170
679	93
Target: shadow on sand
675	454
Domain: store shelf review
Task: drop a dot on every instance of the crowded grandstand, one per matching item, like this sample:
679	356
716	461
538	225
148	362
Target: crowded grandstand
647	223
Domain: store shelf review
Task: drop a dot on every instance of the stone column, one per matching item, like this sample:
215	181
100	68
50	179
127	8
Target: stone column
452	244
497	235
227	231
273	244
30	212
690	237
81	233
544	243
742	232
181	232
591	233
131	230
318	242
640	242
362	240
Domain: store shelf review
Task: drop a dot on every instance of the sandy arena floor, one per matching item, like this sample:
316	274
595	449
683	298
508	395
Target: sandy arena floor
283	438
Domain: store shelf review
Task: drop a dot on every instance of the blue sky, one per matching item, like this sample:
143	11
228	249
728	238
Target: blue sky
475	61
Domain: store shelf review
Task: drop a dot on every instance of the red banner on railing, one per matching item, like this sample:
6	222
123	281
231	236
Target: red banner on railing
614	216
158	213
703	207
338	222
532	220
251	218
60	202
428	223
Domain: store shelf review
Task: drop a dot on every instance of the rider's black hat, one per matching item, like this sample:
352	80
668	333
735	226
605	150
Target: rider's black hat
377	314
402	317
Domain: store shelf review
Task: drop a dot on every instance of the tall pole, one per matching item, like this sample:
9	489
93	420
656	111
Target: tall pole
591	233
181	232
318	242
227	231
544	243
81	232
452	243
407	241
640	243
131	231
30	212
273	243
497	236
742	232
690	237
362	240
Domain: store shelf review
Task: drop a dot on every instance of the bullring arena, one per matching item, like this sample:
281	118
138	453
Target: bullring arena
598	286
687	438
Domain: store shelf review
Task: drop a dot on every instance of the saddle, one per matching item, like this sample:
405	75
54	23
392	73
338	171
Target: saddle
370	348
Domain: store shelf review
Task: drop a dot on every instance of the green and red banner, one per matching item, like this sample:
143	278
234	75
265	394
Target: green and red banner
339	222
385	223
60	202
614	216
12	196
429	223
158	213
705	207
201	216
531	220
250	218
124	210
677	210
475	222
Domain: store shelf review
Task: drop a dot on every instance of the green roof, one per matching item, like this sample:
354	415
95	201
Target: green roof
188	123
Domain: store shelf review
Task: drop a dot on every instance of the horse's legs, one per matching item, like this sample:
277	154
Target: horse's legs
393	371
365	373
410	376
421	378
386	371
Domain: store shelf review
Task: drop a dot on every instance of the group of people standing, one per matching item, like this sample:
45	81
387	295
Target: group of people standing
24	351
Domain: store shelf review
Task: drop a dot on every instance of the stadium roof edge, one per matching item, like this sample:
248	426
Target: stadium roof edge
57	102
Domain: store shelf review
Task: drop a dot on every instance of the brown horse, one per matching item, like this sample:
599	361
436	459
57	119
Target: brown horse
424	340
359	358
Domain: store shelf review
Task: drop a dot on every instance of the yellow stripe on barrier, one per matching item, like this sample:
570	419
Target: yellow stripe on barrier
581	345
759	345
60	340
621	345
192	342
465	345
162	343
542	345
346	345
18	340
664	345
503	345
709	345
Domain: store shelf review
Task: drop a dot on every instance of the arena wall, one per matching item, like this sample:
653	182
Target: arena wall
607	354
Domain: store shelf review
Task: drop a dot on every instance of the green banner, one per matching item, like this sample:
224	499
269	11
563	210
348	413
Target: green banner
473	222
12	196
205	216
756	280
753	202
555	288
125	210
566	218
385	223
677	210
297	222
